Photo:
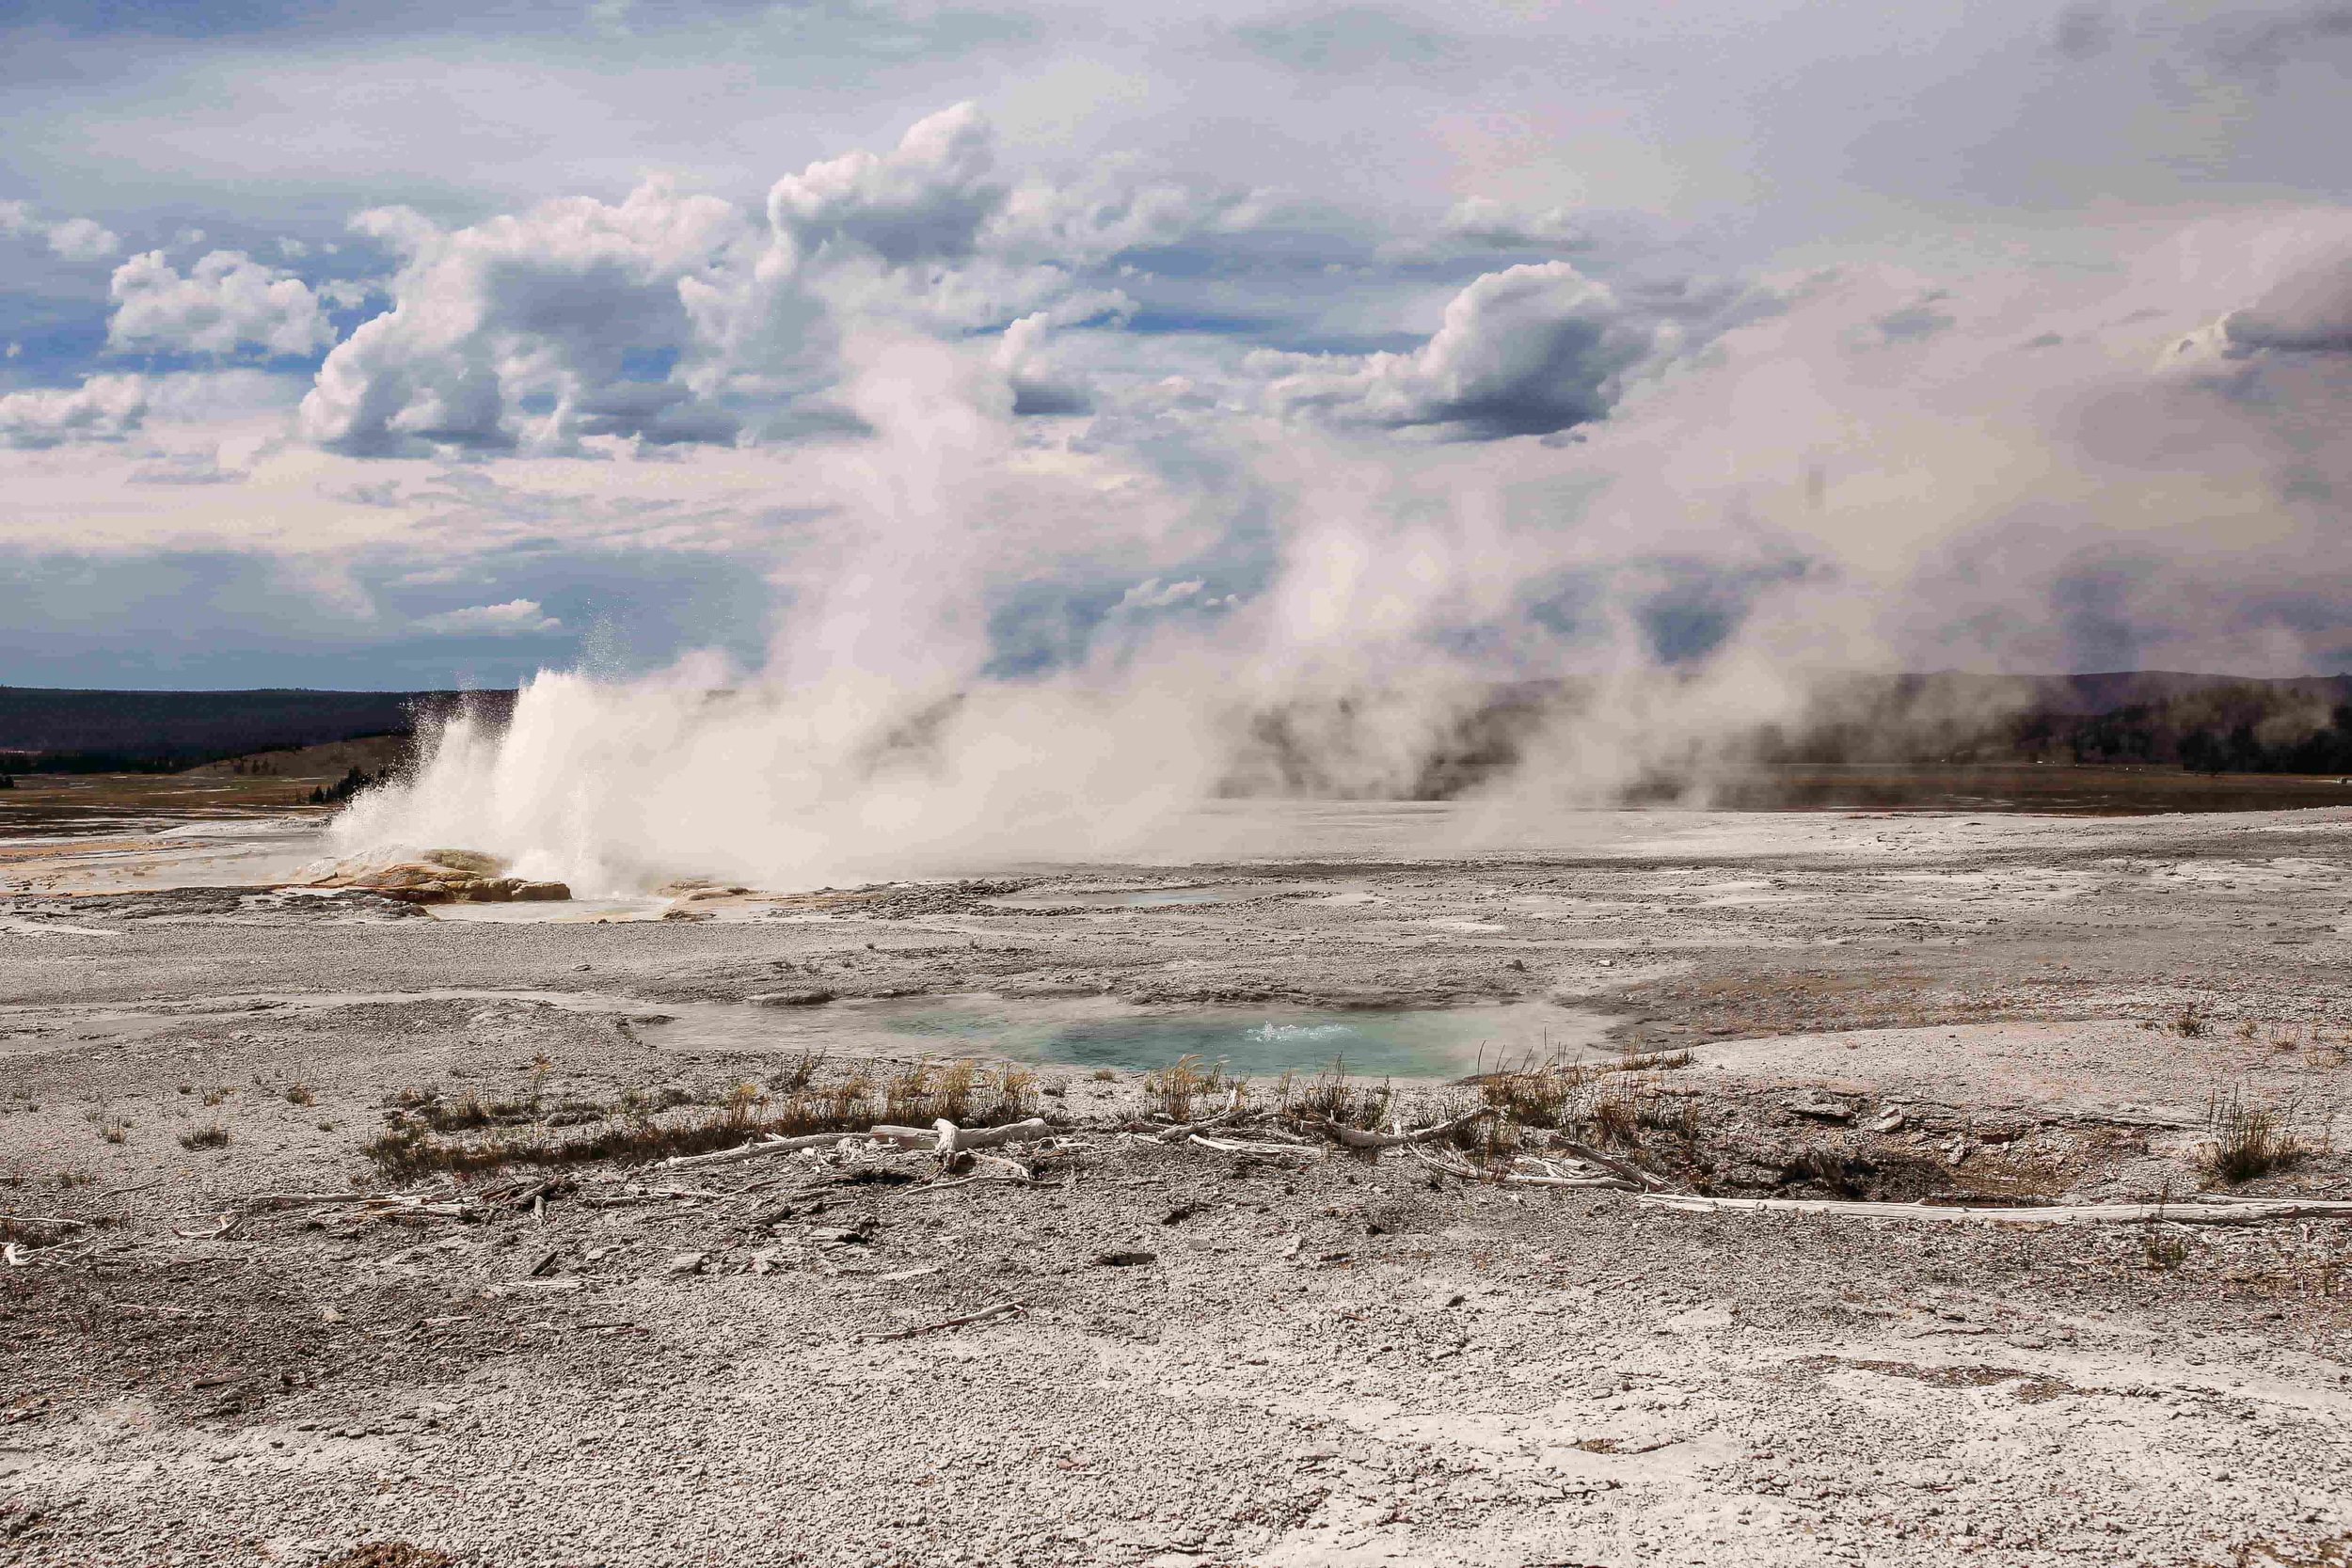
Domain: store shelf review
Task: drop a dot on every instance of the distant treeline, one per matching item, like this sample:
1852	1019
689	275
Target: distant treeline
2253	737
346	788
1389	744
1350	744
2208	722
53	731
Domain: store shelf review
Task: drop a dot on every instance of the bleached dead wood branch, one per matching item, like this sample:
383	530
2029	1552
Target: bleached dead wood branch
1447	1161
2248	1211
1549	1174
937	1140
1356	1138
1591	1156
759	1149
219	1229
986	1314
1246	1146
1184	1130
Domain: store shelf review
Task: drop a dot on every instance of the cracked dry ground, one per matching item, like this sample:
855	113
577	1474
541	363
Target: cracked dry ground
1217	1360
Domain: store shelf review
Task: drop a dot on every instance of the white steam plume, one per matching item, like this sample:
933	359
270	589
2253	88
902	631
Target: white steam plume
1700	499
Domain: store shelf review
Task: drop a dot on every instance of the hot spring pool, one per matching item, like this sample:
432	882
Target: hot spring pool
1261	1041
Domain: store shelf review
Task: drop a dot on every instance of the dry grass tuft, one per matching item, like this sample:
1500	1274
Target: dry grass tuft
298	1093
637	1127
1186	1087
1332	1096
1552	1095
798	1073
214	1136
1615	1115
2250	1141
2190	1021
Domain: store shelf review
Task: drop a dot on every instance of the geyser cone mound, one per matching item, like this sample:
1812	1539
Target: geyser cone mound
433	877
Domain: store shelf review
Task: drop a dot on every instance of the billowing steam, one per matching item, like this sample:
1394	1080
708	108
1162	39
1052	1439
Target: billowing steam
1039	605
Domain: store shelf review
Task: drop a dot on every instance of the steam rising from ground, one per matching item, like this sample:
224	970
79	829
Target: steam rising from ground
1033	603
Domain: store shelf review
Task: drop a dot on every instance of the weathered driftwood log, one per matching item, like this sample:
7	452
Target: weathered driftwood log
1246	1146
304	1200
1546	1174
758	1149
947	1138
2247	1211
1183	1130
1354	1137
1604	1183
1632	1173
1446	1161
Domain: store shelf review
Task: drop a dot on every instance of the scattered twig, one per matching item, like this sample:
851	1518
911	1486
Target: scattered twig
219	1230
986	1314
1549	1174
1354	1137
1617	1168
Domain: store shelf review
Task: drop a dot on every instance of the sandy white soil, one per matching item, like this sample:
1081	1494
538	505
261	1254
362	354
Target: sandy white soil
1216	1360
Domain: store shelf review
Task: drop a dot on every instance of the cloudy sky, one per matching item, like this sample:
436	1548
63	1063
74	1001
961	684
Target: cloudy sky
363	345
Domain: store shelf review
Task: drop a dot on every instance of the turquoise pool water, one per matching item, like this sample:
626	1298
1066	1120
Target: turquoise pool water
1431	1042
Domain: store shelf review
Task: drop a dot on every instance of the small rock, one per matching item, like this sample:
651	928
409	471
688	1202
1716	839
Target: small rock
1124	1260
689	1263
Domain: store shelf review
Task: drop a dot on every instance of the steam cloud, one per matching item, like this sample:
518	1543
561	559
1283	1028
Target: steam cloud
1043	606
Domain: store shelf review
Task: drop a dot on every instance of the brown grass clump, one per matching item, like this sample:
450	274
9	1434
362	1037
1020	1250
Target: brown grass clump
2190	1021
2250	1141
1186	1087
1675	1115
214	1136
111	1128
215	1096
1332	1096
298	1093
1615	1116
1550	1097
799	1072
636	1128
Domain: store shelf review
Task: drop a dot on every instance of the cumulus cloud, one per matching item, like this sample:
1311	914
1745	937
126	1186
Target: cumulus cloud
2293	341
1151	594
1528	351
2309	312
514	618
225	302
74	239
1483	221
677	320
1112	207
102	408
923	201
1041	381
575	319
